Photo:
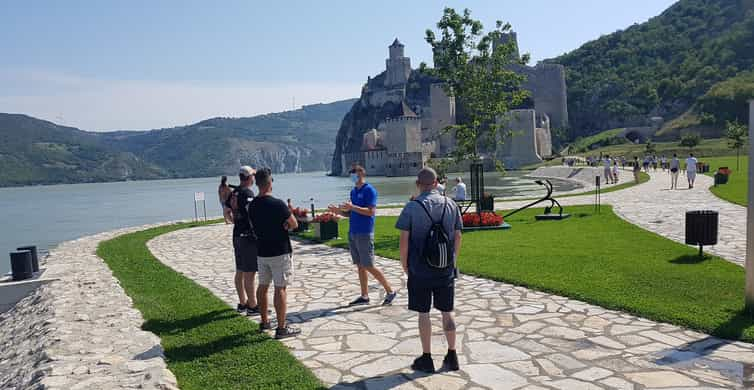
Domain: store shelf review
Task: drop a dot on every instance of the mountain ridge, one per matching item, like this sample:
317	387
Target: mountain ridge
38	151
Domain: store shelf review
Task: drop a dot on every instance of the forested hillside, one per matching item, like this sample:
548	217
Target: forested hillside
34	151
661	67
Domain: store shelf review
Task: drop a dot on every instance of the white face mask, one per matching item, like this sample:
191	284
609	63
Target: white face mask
354	178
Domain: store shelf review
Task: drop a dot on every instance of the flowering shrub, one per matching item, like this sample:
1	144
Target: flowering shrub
299	212
484	219
326	217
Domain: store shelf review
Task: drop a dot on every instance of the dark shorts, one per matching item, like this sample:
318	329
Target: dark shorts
422	297
245	250
362	249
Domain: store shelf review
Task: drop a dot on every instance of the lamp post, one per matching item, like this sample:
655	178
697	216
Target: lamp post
750	219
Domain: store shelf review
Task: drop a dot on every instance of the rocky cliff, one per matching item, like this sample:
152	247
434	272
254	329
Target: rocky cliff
366	115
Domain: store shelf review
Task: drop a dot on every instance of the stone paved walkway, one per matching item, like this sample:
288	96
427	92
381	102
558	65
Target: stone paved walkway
508	337
654	207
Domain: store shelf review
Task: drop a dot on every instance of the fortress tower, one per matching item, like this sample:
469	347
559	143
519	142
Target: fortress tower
398	66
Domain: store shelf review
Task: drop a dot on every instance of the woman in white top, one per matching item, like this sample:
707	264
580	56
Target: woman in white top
691	169
675	166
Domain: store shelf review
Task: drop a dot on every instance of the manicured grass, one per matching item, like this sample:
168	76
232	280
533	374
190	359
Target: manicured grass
601	259
207	344
737	188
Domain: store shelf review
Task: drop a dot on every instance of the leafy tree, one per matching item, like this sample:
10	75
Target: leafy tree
736	134
650	148
690	140
476	70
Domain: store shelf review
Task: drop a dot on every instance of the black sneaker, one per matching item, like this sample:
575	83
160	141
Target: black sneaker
359	301
450	363
389	298
265	326
250	311
424	363
281	333
241	308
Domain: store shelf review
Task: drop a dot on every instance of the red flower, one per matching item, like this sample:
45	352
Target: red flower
486	218
326	217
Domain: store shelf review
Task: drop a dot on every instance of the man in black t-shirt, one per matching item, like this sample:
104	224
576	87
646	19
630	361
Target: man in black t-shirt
244	244
272	220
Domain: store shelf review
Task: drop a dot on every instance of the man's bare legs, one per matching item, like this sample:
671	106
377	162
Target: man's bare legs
377	274
425	333
240	288
449	327
249	279
281	305
262	303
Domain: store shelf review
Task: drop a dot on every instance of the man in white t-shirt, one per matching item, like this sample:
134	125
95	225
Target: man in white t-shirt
675	166
606	169
459	192
691	169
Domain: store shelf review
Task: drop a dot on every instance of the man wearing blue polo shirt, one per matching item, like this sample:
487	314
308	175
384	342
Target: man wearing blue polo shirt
361	210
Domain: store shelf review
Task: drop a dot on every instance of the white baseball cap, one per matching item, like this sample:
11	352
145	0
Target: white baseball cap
246	171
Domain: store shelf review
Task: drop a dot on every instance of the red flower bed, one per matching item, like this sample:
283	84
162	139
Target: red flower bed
325	218
485	219
299	212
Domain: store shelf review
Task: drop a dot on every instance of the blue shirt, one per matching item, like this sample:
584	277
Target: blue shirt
366	196
415	220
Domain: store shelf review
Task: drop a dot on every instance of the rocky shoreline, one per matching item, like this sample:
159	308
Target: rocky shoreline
80	331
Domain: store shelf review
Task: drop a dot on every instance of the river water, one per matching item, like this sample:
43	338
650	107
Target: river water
47	215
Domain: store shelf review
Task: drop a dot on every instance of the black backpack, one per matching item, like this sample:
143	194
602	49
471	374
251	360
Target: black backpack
438	247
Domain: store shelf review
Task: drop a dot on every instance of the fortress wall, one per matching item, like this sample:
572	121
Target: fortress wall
519	148
548	87
544	142
403	135
405	164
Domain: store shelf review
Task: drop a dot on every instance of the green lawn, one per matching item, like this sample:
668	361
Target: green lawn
207	344
736	189
603	260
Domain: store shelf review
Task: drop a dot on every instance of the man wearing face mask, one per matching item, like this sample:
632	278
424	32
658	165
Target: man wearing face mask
362	210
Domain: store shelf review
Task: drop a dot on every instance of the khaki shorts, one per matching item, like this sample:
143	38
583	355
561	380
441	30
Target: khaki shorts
278	270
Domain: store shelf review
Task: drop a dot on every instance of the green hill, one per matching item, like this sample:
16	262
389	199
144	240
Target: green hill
658	68
34	151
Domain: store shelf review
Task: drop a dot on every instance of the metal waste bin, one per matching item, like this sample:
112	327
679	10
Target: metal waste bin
34	256
20	265
701	228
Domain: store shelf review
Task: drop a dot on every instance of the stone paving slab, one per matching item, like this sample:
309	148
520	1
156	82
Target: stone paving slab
654	207
508	337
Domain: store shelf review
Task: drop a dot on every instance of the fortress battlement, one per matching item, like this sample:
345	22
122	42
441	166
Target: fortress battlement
402	119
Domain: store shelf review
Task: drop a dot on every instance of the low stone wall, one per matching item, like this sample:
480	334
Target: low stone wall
583	175
80	331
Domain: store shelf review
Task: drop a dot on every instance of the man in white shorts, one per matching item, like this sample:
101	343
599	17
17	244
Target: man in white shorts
272	219
608	175
691	169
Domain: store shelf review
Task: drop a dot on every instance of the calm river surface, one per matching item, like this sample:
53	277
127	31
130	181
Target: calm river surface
47	215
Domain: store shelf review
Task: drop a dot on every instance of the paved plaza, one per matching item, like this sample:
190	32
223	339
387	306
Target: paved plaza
509	337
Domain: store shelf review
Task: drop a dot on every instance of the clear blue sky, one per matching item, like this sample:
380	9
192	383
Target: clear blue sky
105	65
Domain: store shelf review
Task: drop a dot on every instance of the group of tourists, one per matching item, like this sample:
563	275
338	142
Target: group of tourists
430	241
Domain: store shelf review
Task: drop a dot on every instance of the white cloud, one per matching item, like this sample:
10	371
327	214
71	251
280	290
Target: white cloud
97	104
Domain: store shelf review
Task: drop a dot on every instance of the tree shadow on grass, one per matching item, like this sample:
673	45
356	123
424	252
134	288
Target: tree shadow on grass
170	327
193	352
690	259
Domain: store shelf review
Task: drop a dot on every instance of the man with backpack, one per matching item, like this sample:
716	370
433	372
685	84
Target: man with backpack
430	242
244	243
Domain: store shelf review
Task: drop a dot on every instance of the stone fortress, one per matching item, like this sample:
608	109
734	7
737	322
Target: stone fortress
398	123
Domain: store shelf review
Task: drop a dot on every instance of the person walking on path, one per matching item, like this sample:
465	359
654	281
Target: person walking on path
224	192
608	174
675	166
272	221
691	169
429	260
244	243
636	169
362	210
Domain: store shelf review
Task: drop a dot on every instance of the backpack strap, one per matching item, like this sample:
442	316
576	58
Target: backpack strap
444	207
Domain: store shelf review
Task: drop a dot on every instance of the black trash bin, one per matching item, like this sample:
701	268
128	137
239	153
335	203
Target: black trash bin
20	265
701	228
34	256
